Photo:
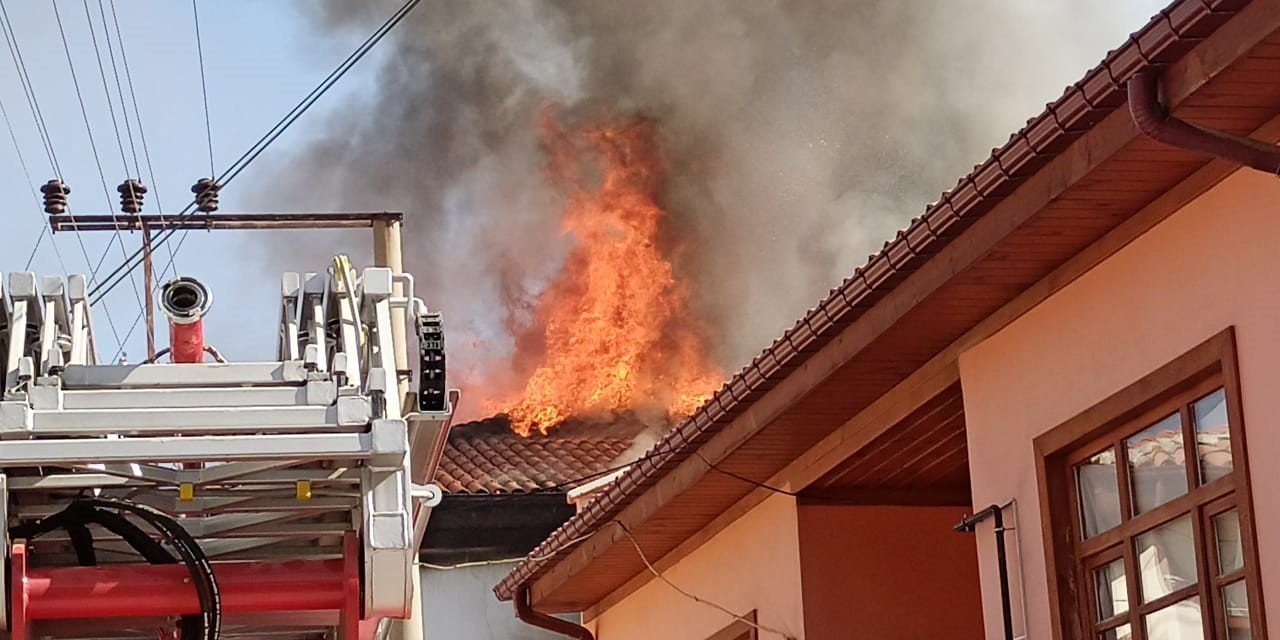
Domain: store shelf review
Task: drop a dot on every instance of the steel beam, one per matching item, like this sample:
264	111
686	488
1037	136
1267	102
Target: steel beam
206	374
301	446
99	422
191	398
237	473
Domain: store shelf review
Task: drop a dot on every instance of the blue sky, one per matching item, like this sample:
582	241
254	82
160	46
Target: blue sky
260	58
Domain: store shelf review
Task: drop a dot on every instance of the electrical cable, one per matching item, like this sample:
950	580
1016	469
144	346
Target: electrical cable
103	511
20	65
128	129
84	112
106	90
204	89
124	110
793	494
208	129
37	115
656	451
131	263
657	574
206	582
44	229
137	114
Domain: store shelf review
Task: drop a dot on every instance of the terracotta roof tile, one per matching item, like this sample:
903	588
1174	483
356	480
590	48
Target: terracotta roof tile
486	457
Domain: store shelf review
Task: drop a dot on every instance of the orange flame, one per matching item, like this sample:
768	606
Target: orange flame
616	326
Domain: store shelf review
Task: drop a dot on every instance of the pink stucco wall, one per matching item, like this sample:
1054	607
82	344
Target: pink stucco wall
753	564
888	573
1213	264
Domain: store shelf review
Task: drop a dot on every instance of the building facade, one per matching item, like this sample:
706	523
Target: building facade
1042	411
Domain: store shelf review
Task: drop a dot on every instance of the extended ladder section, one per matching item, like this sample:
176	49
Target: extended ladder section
302	481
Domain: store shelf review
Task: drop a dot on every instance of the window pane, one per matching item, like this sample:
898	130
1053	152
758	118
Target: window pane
1226	530
1180	621
1113	592
1166	558
1213	438
1157	464
1099	493
1119	633
1235	600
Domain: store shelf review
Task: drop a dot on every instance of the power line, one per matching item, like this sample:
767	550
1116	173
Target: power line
124	110
20	65
37	115
94	147
44	229
723	609
208	128
742	478
662	448
106	90
123	270
204	89
137	113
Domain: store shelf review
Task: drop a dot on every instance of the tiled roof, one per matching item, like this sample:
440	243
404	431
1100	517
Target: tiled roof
486	457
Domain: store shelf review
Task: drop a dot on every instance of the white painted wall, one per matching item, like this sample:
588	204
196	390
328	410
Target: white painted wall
458	604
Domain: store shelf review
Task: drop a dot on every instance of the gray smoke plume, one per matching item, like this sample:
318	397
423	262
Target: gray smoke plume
799	135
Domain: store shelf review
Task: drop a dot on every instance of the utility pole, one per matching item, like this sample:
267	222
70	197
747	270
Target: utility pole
148	285
387	252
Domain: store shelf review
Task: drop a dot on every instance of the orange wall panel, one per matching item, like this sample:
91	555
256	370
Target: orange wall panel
888	573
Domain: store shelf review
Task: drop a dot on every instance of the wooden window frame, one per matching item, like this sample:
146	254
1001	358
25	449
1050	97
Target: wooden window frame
1204	368
739	630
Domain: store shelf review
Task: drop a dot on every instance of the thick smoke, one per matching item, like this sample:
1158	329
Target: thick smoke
799	135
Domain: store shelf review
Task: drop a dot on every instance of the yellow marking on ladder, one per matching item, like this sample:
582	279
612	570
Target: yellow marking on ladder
186	492
304	490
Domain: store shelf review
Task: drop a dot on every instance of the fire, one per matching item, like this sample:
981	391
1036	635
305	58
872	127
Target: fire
615	323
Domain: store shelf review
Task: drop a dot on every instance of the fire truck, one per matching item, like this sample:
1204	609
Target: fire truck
189	497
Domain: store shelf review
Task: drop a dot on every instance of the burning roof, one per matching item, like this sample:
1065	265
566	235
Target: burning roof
487	458
614	331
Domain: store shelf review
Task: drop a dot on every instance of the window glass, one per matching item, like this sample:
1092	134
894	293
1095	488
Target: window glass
1099	493
1121	632
1213	438
1157	464
1226	532
1235	601
1178	621
1112	589
1166	558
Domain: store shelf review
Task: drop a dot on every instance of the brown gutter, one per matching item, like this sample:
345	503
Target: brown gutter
530	616
1154	121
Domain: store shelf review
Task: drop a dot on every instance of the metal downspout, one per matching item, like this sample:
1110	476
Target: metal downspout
1154	121
996	512
528	615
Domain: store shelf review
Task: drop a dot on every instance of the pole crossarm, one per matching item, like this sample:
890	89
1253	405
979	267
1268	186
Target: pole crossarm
223	221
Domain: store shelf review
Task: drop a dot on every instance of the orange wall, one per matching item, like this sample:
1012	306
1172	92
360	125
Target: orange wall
1213	264
888	573
753	564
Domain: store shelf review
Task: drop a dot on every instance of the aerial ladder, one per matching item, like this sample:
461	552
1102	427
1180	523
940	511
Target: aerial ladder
187	497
